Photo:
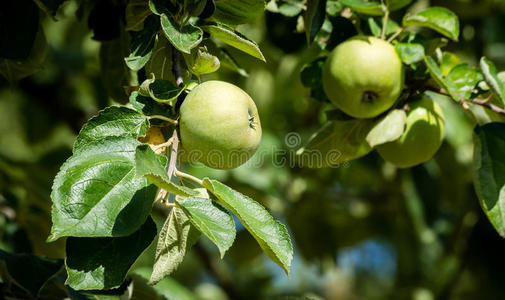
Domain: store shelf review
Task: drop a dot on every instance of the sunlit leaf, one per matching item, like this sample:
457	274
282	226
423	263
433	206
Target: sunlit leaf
112	121
271	235
96	193
152	166
142	44
184	38
233	38
211	219
439	19
492	79
389	128
236	12
175	239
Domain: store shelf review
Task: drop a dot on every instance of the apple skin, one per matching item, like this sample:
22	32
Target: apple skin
363	76
219	124
423	135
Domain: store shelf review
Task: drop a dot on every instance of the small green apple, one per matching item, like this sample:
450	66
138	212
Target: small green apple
423	135
219	125
363	76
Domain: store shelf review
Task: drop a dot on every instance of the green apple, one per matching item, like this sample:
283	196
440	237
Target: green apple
423	135
219	125
363	76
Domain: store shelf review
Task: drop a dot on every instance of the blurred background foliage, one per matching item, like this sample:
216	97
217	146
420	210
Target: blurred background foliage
362	230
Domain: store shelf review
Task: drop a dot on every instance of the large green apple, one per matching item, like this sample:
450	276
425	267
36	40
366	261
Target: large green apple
363	76
219	124
423	135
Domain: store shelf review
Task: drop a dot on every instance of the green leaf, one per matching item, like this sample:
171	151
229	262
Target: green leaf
410	53
236	12
314	18
225	59
449	61
148	106
102	263
200	61
160	63
112	121
162	91
135	13
397	4
152	166
311	74
14	70
389	128
28	271
211	219
374	7
489	172
96	193
271	235
233	38
142	44
184	38
439	19
333	7
464	79
376	26
311	77
195	7
439	78
208	10
335	143
176	238
491	77
160	7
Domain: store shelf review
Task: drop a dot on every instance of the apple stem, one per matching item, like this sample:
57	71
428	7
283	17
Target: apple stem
385	22
160	117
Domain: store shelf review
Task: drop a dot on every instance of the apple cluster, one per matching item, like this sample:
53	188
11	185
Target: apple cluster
364	78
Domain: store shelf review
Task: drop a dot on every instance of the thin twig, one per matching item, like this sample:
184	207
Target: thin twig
188	176
165	144
395	35
163	118
45	9
490	106
482	102
173	155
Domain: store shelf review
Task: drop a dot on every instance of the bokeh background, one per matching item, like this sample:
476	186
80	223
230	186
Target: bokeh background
362	230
